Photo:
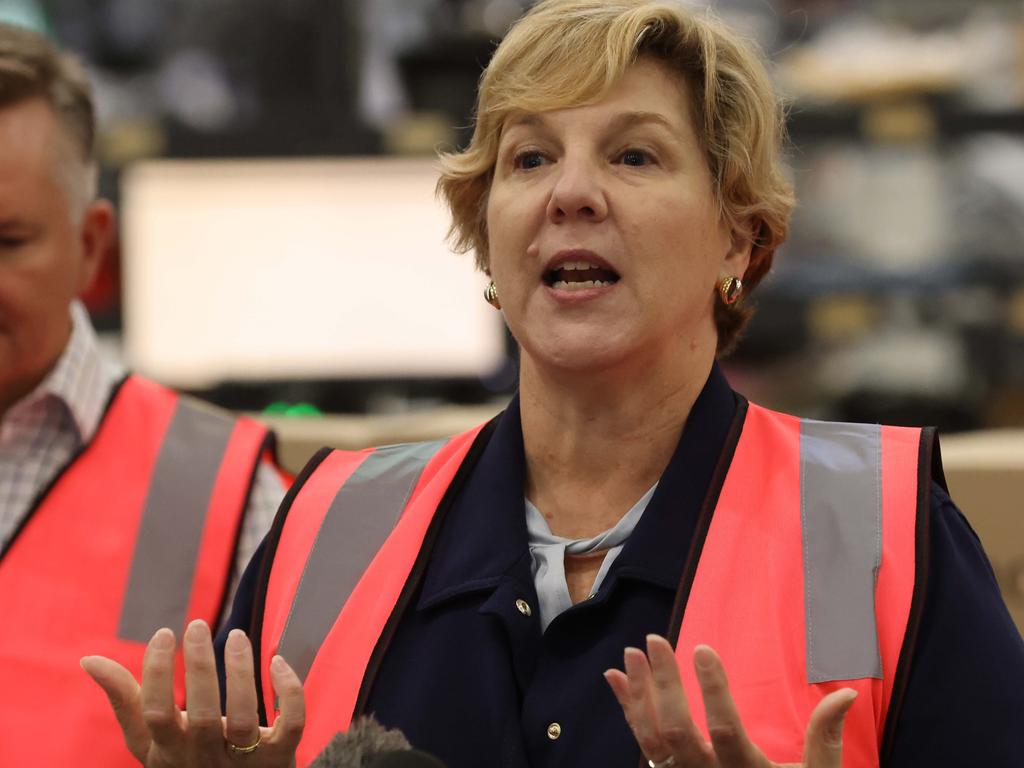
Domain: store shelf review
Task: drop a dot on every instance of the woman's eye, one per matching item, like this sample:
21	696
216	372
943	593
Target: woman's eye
527	161
635	157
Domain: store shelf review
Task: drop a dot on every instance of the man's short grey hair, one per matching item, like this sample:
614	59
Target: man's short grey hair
32	67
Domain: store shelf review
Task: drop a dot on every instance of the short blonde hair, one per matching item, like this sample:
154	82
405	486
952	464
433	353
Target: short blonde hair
566	53
31	67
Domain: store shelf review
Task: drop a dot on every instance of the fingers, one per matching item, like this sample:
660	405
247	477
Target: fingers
205	727
641	713
287	730
161	715
653	700
619	684
654	704
243	727
677	727
730	742
823	746
123	693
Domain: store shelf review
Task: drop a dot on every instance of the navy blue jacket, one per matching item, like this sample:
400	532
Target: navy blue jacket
471	679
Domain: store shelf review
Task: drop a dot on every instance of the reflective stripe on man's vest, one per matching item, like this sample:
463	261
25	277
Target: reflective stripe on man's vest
137	533
807	509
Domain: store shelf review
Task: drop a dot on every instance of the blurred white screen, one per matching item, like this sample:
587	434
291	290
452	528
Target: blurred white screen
250	270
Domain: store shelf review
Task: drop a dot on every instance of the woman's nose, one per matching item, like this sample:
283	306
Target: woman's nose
577	193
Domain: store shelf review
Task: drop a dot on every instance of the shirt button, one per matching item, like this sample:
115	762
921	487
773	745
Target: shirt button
554	731
524	608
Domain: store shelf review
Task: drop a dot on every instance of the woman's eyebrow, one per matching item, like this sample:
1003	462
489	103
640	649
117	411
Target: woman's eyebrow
625	120
525	120
620	121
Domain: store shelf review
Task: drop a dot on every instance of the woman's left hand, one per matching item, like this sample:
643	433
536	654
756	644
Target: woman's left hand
651	694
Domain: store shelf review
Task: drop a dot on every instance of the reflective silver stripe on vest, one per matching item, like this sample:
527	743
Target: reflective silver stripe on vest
361	516
167	545
841	511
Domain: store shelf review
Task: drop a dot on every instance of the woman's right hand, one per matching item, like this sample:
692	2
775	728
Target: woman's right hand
162	736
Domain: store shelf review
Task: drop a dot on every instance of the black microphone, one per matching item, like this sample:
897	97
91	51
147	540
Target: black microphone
368	744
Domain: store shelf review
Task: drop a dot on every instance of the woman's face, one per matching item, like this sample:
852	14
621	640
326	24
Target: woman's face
605	239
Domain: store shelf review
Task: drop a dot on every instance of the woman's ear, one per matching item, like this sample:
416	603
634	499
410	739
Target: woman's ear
741	248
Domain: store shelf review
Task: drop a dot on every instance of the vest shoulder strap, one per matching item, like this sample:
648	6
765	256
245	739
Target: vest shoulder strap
344	546
197	494
369	491
807	574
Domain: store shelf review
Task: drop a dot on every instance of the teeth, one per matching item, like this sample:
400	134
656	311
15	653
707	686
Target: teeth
565	285
572	265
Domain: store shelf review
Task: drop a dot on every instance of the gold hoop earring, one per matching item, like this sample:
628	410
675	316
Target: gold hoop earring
729	290
491	295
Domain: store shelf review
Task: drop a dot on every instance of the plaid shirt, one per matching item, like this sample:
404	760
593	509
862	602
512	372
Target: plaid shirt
41	432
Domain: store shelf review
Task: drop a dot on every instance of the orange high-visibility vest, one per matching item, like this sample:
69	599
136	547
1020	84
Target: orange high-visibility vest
137	533
803	582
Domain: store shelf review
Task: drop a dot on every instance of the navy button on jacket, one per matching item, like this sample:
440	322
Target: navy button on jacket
471	679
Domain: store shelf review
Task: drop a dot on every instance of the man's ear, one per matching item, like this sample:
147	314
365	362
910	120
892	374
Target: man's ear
97	236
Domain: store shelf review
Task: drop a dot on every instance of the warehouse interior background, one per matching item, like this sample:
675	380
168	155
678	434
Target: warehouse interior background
899	297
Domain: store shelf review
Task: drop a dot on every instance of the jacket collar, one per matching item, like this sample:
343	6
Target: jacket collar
484	536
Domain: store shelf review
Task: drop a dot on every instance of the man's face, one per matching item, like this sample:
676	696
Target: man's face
48	252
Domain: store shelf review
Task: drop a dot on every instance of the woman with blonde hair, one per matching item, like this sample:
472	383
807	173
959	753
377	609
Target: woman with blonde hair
623	191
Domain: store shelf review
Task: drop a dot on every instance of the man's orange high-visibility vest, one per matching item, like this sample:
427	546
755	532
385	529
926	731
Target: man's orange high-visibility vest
801	575
138	532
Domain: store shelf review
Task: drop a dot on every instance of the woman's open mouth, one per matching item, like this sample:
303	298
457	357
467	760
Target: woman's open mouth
579	275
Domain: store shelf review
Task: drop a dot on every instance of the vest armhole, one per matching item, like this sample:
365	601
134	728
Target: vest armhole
269	550
928	460
45	490
938	474
707	510
419	567
269	452
268	445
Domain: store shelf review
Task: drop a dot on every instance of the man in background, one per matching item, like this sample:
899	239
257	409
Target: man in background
123	506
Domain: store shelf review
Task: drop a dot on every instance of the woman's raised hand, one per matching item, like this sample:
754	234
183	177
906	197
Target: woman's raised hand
651	694
162	736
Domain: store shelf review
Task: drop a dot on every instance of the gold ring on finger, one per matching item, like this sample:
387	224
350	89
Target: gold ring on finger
235	749
668	762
